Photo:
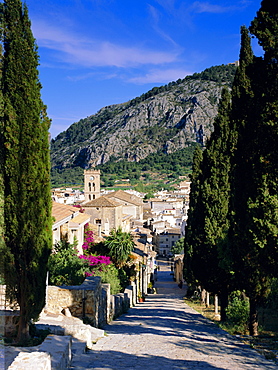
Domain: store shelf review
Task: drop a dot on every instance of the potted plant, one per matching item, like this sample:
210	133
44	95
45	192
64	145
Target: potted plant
141	297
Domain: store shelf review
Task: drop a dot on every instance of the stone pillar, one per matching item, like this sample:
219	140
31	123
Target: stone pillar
207	299
216	304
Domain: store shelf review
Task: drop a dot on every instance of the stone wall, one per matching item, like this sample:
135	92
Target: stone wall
9	322
91	299
103	305
82	300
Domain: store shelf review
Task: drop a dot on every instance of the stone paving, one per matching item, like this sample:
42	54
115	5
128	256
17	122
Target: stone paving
164	333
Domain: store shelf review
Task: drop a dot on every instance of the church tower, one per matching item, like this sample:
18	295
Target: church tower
91	184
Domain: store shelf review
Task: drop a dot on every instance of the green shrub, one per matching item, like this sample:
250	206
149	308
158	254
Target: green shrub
237	313
178	247
110	274
65	267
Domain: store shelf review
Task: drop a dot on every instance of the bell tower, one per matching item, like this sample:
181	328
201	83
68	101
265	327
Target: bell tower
91	184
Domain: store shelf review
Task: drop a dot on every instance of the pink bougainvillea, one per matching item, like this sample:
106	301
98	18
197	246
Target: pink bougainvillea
89	238
96	260
95	263
81	210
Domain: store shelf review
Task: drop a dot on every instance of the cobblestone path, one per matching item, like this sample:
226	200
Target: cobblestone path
164	333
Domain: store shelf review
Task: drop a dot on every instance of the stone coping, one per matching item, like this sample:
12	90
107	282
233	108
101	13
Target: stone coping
54	353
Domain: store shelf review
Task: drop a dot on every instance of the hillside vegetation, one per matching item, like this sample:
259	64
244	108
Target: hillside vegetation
165	120
158	170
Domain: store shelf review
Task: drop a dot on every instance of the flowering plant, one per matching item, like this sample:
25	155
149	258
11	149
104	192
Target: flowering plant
96	263
96	260
89	239
81	210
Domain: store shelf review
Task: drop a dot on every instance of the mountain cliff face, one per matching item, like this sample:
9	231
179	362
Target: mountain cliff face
167	118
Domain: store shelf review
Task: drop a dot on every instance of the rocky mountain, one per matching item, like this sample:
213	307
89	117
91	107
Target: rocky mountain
166	118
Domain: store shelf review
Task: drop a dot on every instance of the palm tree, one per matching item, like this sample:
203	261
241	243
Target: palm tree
120	244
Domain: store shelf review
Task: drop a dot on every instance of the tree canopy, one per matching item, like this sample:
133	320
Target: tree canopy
232	231
25	167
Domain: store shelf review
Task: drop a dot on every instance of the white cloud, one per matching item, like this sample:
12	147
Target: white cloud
98	75
160	76
82	51
155	20
206	7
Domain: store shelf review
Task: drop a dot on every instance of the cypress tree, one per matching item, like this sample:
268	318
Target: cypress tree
211	261
25	167
242	93
1	176
193	236
265	206
206	234
250	206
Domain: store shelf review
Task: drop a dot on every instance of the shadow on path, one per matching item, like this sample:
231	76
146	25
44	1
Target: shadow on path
165	333
118	360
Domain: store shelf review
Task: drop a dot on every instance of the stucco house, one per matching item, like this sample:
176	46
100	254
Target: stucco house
165	240
107	214
159	205
132	205
69	224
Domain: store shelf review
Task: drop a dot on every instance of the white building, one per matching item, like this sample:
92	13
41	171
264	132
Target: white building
67	196
165	240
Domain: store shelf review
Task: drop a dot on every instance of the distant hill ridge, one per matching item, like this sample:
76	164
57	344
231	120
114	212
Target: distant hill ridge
165	119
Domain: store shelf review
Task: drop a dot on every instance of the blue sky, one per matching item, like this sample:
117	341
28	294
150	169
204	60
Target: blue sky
94	53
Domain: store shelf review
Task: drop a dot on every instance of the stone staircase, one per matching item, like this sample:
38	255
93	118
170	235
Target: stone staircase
68	338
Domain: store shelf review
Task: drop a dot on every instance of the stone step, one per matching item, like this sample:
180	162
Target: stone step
72	326
78	347
54	353
59	348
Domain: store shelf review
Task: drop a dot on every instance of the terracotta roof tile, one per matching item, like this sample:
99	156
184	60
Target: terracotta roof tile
103	201
61	211
79	219
122	195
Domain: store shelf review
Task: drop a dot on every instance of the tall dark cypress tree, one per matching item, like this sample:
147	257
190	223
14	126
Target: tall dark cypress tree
211	262
193	232
248	226
1	176
265	206
25	167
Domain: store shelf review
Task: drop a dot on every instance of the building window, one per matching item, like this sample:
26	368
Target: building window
98	221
